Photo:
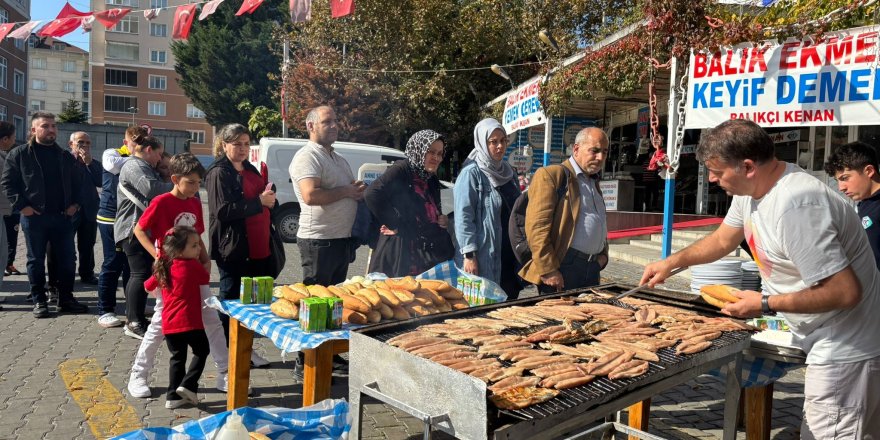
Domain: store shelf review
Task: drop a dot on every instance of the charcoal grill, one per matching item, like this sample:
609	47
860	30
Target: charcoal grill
456	403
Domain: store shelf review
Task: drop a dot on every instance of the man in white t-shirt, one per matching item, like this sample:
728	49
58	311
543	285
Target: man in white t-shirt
816	265
328	195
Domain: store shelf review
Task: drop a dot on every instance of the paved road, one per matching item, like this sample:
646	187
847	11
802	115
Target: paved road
56	373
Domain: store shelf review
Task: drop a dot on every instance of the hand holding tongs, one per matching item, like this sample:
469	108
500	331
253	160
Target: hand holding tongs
639	288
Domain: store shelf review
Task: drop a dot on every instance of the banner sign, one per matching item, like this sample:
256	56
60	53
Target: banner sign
798	83
523	107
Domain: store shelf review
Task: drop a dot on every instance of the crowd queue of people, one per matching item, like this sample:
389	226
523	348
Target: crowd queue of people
812	248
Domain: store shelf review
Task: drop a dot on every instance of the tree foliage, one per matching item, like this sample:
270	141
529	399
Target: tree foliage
407	62
263	121
228	60
72	113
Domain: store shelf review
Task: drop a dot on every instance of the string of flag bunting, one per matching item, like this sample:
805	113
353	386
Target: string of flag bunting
70	19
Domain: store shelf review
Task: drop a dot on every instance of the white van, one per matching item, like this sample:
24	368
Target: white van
277	153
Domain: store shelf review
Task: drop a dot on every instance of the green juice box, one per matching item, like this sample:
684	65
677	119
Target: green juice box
266	285
246	292
334	313
313	314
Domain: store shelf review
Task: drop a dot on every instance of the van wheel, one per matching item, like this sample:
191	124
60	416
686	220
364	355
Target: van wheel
288	223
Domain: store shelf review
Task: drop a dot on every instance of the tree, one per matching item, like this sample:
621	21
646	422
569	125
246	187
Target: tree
228	60
72	113
263	121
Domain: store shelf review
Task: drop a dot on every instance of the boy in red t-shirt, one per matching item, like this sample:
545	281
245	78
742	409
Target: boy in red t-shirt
180	275
180	207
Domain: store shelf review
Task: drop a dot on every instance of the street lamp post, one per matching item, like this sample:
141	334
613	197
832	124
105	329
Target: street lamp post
133	111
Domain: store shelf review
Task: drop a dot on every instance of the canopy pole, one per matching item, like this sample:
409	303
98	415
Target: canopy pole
669	193
548	136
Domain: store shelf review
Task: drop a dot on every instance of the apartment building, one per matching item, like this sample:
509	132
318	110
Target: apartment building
57	73
133	77
13	69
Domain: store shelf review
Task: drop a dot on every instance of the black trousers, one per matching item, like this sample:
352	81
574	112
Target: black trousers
11	222
86	236
576	273
230	281
141	264
178	374
324	262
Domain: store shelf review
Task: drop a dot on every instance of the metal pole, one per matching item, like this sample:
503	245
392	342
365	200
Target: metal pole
285	61
669	193
548	136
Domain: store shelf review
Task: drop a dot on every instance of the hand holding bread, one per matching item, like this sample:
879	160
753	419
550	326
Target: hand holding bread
719	295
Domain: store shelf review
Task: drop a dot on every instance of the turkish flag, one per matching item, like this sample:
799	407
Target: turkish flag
341	8
249	6
300	10
4	29
25	30
183	20
209	8
110	17
66	22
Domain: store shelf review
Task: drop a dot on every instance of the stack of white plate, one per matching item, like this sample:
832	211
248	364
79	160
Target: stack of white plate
727	271
751	277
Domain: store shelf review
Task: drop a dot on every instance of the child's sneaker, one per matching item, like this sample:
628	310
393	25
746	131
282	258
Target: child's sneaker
174	404
188	395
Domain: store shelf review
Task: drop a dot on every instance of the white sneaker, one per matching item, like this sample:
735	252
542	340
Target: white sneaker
174	404
109	320
223	384
188	395
137	387
257	361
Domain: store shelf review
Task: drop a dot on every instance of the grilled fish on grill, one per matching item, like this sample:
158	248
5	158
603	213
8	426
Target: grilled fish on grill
691	347
629	369
577	332
544	334
514	382
640	352
608	362
455	354
463	335
519	354
552	370
521	397
452	361
574	382
571	351
504	347
414	343
564	377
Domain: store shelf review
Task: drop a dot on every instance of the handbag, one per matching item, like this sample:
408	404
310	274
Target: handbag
433	248
277	257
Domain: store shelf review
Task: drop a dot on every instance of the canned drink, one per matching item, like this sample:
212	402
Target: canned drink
246	291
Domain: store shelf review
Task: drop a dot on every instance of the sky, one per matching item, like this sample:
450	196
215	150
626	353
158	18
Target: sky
47	10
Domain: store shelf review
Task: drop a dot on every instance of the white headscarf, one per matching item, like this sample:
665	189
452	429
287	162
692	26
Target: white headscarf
499	172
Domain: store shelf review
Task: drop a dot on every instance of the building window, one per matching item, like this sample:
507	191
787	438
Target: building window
194	112
158	82
38	84
38	105
68	87
133	3
157	56
39	63
128	25
119	77
122	51
68	66
85	107
19	43
85	89
158	4
197	136
59	46
4	18
156	108
3	73
18	82
18	121
2	112
158	30
119	103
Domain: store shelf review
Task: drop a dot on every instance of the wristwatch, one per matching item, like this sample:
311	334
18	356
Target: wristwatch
765	306
469	255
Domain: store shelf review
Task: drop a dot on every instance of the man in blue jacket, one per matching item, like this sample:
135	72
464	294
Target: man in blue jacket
41	182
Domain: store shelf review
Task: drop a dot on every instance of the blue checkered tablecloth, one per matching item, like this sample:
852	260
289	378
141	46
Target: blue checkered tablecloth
284	333
758	371
328	419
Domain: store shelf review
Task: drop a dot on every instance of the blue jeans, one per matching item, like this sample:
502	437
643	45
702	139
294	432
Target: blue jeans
40	231
115	264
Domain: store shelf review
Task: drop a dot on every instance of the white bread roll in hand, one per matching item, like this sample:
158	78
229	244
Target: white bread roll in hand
719	295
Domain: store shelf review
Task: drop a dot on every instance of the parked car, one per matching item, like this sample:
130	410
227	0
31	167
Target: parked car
277	153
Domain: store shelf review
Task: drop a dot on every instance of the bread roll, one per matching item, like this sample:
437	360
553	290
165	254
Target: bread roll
352	288
459	304
400	313
386	311
374	316
435	285
387	297
352	317
285	309
354	303
320	291
718	295
404	296
336	290
451	293
370	295
288	293
301	289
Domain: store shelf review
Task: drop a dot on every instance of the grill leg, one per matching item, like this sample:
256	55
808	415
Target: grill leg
732	391
357	412
427	434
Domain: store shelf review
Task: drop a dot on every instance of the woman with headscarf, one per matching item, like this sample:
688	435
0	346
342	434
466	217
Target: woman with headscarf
405	200
484	195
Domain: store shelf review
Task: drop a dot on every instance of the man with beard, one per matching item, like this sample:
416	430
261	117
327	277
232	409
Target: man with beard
42	182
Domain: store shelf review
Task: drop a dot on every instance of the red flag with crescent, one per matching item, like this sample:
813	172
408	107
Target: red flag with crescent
341	8
66	22
249	6
5	28
183	19
110	17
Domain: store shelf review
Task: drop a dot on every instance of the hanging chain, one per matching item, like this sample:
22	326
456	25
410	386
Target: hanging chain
681	107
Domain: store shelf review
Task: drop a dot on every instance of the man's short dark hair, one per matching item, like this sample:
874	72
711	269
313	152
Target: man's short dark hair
854	155
734	141
42	115
184	164
6	129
